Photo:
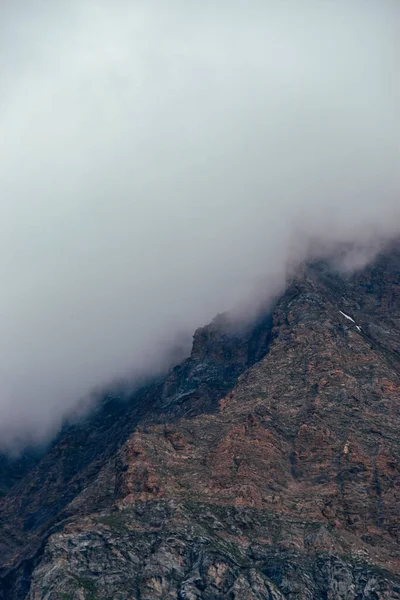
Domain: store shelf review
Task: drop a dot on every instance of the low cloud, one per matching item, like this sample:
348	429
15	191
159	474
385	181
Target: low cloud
163	162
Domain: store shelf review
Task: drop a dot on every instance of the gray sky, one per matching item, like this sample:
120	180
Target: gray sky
160	162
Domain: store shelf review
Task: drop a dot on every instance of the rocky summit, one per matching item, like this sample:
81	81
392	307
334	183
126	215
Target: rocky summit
264	467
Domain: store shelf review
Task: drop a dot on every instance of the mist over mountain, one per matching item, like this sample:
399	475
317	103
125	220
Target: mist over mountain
164	162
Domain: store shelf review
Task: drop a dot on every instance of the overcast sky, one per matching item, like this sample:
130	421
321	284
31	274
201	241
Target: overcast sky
160	161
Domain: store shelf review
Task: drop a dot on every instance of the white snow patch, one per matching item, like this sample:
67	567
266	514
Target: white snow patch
347	316
358	327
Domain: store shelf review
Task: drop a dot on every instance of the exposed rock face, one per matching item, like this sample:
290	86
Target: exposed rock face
266	466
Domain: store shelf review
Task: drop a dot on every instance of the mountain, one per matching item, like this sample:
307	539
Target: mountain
264	467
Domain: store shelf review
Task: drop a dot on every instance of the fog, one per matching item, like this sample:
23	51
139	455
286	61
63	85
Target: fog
161	162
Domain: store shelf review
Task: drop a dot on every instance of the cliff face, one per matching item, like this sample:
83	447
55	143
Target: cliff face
266	466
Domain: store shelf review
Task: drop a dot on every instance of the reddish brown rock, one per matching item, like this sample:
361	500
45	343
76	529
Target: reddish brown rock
265	466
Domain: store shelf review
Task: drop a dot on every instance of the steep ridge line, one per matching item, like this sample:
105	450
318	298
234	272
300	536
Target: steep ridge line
265	466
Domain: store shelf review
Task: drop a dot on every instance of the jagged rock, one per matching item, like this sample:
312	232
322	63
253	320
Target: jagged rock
265	466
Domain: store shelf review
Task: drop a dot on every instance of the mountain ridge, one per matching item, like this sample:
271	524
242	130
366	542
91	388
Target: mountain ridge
263	466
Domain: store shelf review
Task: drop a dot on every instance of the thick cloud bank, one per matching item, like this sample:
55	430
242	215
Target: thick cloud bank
160	161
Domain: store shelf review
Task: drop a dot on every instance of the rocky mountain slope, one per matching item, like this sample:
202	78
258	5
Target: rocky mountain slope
265	466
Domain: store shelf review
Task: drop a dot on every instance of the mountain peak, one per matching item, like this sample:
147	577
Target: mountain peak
263	466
